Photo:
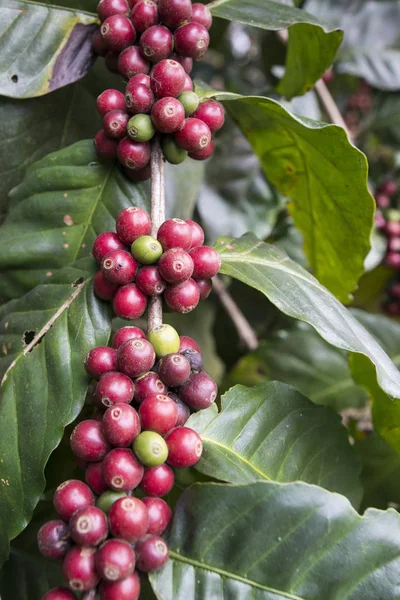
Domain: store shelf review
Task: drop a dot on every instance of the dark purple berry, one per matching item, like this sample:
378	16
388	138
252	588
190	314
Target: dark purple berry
129	519
103	288
151	553
118	266
175	233
156	43
127	589
144	15
105	243
175	265
98	44
149	281
109	8
167	79
183	409
94	477
111	61
105	147
140	175
195	359
53	539
115	560
127	333
135	357
114	388
199	392
159	514
133	155
192	39
157	481
205	287
129	302
59	594
184	447
71	496
201	14
118	33
139	98
121	424
100	360
148	384
79	568
121	470
131	62
211	113
194	135
174	370
88	526
183	297
188	343
88	442
174	12
114	124
167	114
207	262
203	154
158	413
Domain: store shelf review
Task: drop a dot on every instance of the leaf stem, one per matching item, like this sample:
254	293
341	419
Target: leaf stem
157	211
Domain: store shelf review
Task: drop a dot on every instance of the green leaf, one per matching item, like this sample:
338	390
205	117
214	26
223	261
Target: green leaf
274	541
298	294
44	337
272	432
44	46
315	165
64	201
28	576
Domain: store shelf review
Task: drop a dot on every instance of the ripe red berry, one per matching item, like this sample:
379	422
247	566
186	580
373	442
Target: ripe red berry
100	360
382	200
199	392
156	43
121	470
188	343
183	297
59	594
175	265
380	220
167	115
158	413
195	359
393	228
174	370
129	519
108	8
393	260
133	155
389	187
201	14
88	526
192	39
132	222
205	287
394	244
167	79
110	100
188	85
197	234
203	154
98	44
121	425
194	135
139	98
88	441
103	288
157	481
149	281
184	447
183	409
129	302
135	357
79	568
127	333
114	388
175	233
105	147
148	384
139	79
53	539
114	124
115	560
175	12
160	514
118	32
151	553
144	15
71	496
207	262
94	477
212	113
185	61
105	243
118	266
127	589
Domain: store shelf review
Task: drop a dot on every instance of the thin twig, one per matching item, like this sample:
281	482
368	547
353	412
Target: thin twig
157	217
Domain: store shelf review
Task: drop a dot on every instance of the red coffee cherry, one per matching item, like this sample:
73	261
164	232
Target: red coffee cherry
151	553
114	124
88	442
207	262
158	413
127	589
167	115
100	360
205	287
175	265
121	470
192	39
188	85
114	388
393	228
185	61
129	302
200	391
115	560
183	297
184	447
59	594
212	113
149	281
121	424
129	519
132	222
109	8
53	539
196	232
105	243
194	135
98	44
167	79
174	370
71	496
183	409
393	260
160	515
203	154
138	98
135	357
88	526
111	61
139	79
156	43
110	100
144	15
201	14
157	481
130	63
103	288
175	12
188	343
148	384
127	333
175	233
133	155
389	187
118	33
94	477
79	568
105	147
118	266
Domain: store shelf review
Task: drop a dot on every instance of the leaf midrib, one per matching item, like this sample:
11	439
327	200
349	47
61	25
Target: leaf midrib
240	457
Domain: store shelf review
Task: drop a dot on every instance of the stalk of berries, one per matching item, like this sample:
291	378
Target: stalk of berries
159	97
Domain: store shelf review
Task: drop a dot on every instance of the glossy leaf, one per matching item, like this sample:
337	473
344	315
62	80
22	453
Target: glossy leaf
272	432
274	541
26	576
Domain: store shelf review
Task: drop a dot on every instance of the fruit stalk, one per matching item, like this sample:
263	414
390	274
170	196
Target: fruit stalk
157	211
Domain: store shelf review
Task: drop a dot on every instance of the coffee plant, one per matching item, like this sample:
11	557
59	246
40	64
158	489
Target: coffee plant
200	293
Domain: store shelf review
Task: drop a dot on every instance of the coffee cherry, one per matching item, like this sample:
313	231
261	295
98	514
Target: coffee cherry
105	243
127	589
174	370
94	477
111	61
115	560
103	288
173	153
160	514
110	100
59	594
395	290
194	135
148	384
382	201
203	154
88	442
174	12
98	44
393	260
199	392
164	339
192	39
392	309
132	223
109	8
146	249
205	287
201	14
100	360
131	62
127	333
114	388
196	232
88	526
167	79
133	155
389	187
121	470
121	425
158	481
107	499
182	297
79	568
105	147
394	244
158	413
156	43
195	359
144	15
151	553
393	228
119	267
184	447
140	128
71	496
175	265
136	357
190	102
129	519
182	408
188	85
188	343
118	32
150	448
114	124
138	79
212	113
139	98
175	233
53	539
167	114
207	262
185	61
129	302
149	281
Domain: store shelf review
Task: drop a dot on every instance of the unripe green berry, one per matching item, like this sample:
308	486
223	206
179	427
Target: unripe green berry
190	102
165	340
146	249
107	499
140	128
173	153
150	448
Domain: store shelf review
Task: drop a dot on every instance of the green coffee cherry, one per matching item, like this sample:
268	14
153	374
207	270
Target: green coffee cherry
146	249
150	448
140	128
165	340
190	102
172	152
107	499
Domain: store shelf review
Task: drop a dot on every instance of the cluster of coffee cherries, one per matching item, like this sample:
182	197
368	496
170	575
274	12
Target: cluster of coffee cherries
112	524
135	266
159	97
